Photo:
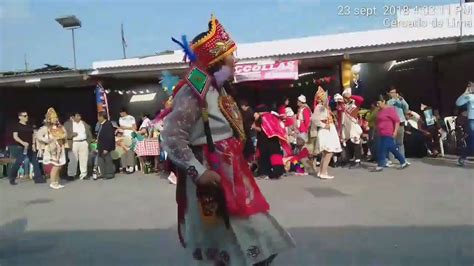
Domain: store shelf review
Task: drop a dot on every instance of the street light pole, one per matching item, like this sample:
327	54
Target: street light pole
71	23
74	48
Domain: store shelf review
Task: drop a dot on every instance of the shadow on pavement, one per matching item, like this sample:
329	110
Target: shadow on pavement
450	245
446	163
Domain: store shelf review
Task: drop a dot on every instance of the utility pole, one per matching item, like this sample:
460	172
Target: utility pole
460	18
124	42
26	64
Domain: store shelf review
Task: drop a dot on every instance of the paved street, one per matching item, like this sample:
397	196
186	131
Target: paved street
423	215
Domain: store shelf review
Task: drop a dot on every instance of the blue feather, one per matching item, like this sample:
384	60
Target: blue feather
168	81
186	49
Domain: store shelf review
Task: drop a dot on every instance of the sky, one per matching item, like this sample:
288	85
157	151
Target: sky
27	27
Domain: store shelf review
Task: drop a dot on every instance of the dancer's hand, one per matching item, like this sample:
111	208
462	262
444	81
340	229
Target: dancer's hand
209	178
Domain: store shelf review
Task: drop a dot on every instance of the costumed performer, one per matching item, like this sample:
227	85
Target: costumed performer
53	138
328	140
272	143
303	121
350	131
223	218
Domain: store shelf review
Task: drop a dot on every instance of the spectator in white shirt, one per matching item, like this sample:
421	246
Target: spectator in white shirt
129	125
413	118
79	138
146	126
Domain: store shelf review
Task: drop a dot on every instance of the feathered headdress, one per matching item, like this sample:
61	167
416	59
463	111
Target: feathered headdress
168	82
211	48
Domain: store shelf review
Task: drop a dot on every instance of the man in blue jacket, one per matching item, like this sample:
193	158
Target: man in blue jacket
468	99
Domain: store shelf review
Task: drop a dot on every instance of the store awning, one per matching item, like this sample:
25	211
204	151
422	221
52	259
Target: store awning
286	70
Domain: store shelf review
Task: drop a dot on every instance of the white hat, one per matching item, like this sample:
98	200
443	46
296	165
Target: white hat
302	98
347	91
338	97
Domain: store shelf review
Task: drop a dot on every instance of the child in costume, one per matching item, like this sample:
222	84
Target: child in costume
223	218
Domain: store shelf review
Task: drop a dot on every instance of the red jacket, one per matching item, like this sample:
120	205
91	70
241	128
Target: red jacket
306	121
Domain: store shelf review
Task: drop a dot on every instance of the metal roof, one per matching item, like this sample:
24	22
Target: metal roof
27	74
61	76
343	42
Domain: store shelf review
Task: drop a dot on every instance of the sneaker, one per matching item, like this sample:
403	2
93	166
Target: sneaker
389	164
403	166
377	169
461	162
82	177
408	163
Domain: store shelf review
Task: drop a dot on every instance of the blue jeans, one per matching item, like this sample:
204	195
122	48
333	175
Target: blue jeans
399	141
33	160
384	146
373	140
469	141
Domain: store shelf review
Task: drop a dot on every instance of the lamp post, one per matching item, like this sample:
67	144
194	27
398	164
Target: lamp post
70	23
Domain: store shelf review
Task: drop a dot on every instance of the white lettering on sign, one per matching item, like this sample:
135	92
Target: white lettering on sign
279	70
281	66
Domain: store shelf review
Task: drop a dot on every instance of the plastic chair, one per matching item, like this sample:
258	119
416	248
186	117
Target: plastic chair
450	122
